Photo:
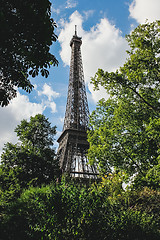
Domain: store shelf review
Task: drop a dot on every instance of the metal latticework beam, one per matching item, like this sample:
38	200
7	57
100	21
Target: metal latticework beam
73	144
77	112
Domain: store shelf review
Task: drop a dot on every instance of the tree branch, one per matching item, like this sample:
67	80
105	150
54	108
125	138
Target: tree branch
147	103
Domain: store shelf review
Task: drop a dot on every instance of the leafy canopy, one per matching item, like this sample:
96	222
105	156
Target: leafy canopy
33	159
27	32
126	127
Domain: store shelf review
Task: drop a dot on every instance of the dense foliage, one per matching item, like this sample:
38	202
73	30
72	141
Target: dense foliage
70	211
27	32
32	160
126	128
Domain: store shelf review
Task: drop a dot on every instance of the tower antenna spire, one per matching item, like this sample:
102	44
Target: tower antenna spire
75	30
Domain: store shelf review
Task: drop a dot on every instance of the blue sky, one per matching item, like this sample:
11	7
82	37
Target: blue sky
102	25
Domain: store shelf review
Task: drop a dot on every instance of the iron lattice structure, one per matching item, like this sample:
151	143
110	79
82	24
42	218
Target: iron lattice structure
73	144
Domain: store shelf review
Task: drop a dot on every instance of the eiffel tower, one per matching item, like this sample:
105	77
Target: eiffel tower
73	144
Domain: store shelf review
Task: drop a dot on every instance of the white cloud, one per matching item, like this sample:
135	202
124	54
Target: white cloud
71	3
47	91
88	14
67	5
52	105
97	95
50	94
102	47
20	108
57	11
145	9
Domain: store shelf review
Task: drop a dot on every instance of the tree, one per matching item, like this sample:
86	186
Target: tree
33	160
27	32
126	127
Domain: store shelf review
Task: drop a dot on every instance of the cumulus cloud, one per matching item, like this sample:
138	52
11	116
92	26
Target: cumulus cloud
47	91
55	10
88	14
20	108
103	47
68	4
145	9
71	3
52	105
97	95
